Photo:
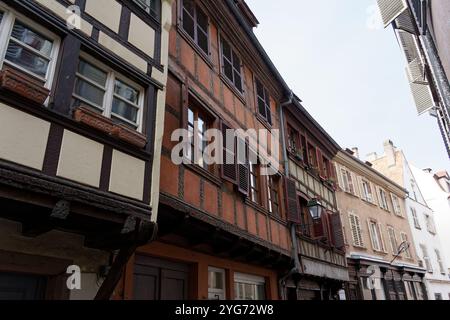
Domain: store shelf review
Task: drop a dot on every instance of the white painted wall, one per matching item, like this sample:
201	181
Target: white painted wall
436	282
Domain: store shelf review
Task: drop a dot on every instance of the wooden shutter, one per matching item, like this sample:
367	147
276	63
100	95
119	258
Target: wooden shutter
337	232
319	227
229	170
319	162
292	205
355	225
383	244
244	173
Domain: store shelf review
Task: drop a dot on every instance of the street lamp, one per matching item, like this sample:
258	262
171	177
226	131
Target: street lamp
315	208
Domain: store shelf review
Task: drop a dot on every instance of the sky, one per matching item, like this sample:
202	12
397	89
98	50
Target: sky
350	74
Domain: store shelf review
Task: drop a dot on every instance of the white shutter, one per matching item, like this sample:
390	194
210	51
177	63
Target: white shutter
406	22
339	176
355	226
416	71
391	9
374	193
359	231
356	185
423	98
383	244
409	44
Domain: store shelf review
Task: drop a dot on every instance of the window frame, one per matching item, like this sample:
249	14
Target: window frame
415	218
396	205
404	238
426	258
216	291
384	204
255	177
367	193
149	11
268	118
273	194
208	122
9	18
392	239
232	83
242	278
113	75
439	260
375	237
194	39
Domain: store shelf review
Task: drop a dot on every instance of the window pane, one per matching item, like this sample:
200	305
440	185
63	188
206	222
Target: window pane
89	92
226	50
26	59
191	117
202	41
202	20
262	107
228	70
126	92
188	24
237	81
31	38
236	62
124	110
189	6
92	73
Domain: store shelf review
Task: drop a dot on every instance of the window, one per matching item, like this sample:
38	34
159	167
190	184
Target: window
293	140
347	181
415	218
355	225
404	238
383	199
249	287
396	205
152	7
231	65
438	296
195	23
216	284
28	47
367	190
263	102
426	258
273	194
254	181
393	240
197	127
106	92
430	223
374	231
312	156
439	261
326	168
413	188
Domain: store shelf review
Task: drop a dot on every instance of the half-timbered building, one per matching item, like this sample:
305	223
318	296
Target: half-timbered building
225	229
82	85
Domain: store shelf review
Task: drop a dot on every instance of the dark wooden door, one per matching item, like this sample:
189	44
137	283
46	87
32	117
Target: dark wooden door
21	287
157	279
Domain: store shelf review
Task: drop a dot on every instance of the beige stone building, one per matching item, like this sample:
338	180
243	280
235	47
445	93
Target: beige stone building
376	228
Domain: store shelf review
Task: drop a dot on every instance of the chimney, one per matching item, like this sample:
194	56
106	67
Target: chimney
372	157
355	152
389	152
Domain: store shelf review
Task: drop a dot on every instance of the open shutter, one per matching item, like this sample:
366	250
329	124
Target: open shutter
391	9
292	205
229	167
320	163
383	244
337	233
243	169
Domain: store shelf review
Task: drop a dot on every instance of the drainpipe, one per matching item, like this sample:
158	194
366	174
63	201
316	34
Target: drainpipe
297	267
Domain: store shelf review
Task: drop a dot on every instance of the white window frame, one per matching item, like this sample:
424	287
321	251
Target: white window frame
250	279
6	26
222	293
396	205
367	191
113	75
439	261
383	199
426	258
430	223
374	233
415	218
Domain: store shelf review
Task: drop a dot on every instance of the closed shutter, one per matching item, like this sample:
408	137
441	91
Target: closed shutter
337	231
338	171
383	244
292	205
229	168
405	22
319	227
356	185
243	169
355	225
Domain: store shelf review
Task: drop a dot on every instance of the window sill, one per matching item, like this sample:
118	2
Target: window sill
204	173
263	121
205	56
21	84
230	85
99	122
256	206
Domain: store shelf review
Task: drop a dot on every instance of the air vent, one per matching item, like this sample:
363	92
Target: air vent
391	9
416	71
422	97
405	22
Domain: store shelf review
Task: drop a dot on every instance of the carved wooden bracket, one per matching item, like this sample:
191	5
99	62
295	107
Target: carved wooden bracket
97	121
17	82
